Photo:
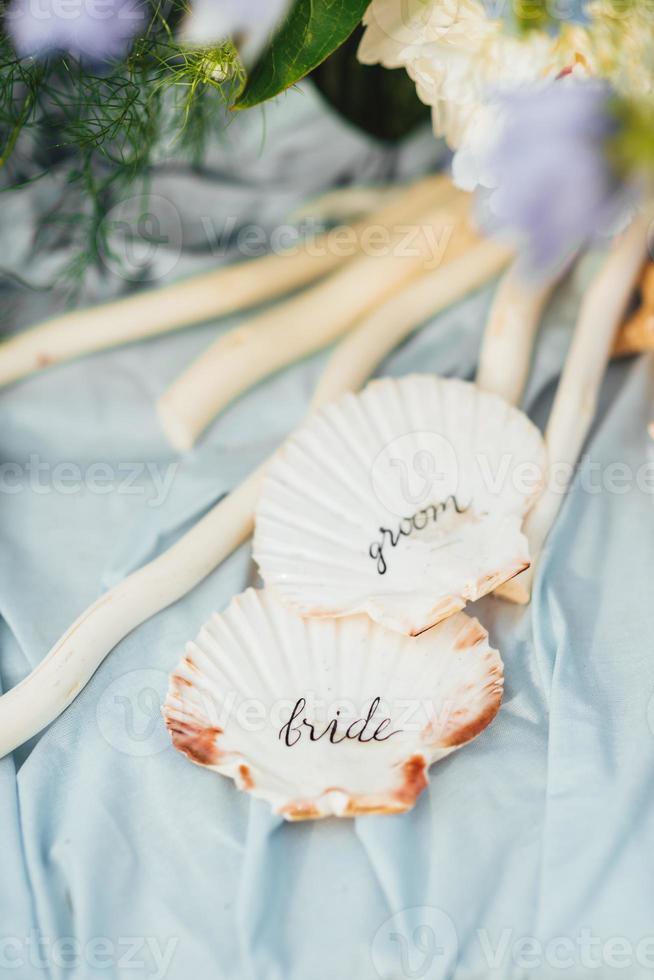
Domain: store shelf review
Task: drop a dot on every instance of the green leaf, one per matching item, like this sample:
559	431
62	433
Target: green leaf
311	31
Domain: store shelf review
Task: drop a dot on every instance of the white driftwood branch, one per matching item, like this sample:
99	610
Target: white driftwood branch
346	204
302	325
203	297
67	668
27	708
574	407
468	268
510	334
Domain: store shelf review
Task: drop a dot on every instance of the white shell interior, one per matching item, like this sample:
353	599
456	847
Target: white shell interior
236	689
403	502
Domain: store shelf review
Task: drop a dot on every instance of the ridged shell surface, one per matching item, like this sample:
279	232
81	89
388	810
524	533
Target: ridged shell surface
403	502
323	717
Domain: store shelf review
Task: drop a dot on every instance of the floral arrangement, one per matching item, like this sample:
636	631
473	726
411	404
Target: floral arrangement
532	104
120	77
555	121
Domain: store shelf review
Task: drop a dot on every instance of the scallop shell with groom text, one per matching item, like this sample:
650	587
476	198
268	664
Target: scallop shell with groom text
323	717
403	502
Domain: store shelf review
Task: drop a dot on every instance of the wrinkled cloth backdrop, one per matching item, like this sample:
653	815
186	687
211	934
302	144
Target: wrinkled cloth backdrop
149	866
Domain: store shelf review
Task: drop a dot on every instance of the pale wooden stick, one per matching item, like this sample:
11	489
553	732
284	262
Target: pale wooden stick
574	407
67	668
508	341
56	682
203	297
386	327
301	326
346	204
510	334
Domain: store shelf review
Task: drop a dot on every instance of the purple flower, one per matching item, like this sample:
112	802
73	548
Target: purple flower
92	30
555	187
248	22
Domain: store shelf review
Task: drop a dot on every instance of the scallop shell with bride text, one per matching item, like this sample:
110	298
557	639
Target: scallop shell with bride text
322	717
403	502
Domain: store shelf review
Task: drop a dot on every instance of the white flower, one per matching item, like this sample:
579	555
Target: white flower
460	61
622	38
398	31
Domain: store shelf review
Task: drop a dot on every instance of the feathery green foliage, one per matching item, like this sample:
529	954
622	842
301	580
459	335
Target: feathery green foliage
106	124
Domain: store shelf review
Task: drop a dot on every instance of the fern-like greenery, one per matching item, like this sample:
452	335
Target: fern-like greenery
105	124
